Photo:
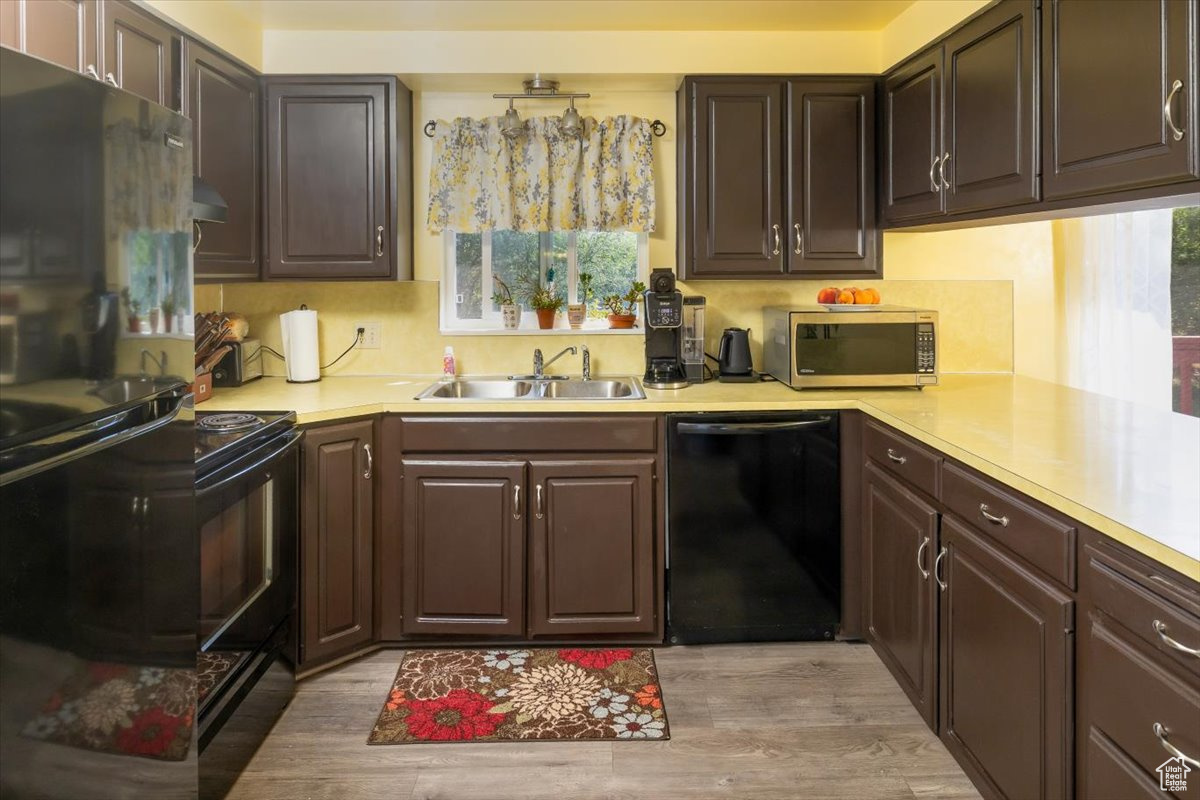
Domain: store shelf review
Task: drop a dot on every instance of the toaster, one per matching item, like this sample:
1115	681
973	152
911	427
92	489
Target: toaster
240	365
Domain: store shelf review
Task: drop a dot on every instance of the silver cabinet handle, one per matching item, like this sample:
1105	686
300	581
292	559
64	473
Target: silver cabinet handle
921	559
1176	88
108	78
937	565
933	184
1161	732
370	461
778	241
539	514
894	456
985	512
942	170
90	71
379	241
799	240
1161	630
516	501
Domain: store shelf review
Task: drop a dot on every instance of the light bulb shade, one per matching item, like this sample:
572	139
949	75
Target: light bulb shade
510	123
571	125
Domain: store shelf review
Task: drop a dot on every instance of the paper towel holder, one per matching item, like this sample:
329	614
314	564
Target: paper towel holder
309	372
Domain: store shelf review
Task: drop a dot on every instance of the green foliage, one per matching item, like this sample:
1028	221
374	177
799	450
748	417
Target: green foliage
1185	272
542	298
625	304
503	295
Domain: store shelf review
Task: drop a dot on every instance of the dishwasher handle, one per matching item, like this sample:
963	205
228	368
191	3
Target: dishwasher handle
749	428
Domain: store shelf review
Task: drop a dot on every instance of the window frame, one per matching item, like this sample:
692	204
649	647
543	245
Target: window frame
492	321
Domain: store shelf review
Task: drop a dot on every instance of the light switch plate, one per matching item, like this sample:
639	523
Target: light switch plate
371	335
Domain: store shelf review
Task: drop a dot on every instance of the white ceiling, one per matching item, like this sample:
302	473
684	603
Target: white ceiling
570	15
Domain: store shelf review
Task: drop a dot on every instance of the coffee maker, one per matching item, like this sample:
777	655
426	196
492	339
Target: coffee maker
664	332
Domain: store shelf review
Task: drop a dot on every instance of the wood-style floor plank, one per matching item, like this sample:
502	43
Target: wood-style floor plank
819	720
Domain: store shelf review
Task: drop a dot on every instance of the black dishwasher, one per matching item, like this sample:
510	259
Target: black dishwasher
753	528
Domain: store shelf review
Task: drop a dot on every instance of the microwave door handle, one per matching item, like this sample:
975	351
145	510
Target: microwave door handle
65	454
738	428
275	453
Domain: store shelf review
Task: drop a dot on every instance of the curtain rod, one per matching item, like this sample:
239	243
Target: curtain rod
657	127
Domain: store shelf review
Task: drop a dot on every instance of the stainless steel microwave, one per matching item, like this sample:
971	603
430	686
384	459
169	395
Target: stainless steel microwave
814	347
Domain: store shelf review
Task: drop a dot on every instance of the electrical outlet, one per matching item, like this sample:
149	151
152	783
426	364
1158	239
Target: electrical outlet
370	339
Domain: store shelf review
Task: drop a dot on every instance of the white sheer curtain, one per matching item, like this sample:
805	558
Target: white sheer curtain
1116	290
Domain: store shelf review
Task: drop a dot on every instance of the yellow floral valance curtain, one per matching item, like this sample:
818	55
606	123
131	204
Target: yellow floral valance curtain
543	179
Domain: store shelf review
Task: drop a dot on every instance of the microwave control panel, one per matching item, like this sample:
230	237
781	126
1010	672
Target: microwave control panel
926	362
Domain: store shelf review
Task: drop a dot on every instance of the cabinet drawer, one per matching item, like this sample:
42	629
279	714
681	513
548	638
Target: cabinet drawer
612	434
1120	588
902	457
1044	541
1129	692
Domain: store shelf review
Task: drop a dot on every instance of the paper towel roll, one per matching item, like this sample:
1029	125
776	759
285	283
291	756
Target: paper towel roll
301	352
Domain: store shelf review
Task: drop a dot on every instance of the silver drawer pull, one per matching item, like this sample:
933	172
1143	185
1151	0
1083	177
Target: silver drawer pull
992	518
370	461
1161	732
778	242
1176	132
90	71
921	559
516	501
894	456
111	80
936	570
1161	630
933	183
540	510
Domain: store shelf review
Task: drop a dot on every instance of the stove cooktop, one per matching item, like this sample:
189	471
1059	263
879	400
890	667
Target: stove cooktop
225	435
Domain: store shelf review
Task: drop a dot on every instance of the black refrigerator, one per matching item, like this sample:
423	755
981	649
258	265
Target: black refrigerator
98	564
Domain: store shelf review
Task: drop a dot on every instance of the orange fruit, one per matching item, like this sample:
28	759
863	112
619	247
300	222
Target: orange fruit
845	297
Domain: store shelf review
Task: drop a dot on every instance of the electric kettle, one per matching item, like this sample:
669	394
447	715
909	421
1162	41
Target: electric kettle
733	356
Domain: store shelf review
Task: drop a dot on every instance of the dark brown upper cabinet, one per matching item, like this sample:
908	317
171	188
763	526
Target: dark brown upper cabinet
1006	661
831	178
141	54
900	533
990	158
776	178
592	547
1119	88
337	539
223	102
332	179
464	547
912	138
65	32
732	182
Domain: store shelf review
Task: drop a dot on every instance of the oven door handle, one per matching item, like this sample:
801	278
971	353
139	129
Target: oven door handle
219	482
737	428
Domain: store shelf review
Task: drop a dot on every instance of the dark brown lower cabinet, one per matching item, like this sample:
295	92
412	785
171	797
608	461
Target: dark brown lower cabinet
1006	664
464	547
900	539
591	547
337	538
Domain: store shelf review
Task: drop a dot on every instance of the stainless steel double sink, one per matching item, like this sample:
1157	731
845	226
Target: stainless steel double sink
498	389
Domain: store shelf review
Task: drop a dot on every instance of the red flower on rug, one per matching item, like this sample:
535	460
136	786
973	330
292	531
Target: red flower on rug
151	733
595	659
648	696
460	715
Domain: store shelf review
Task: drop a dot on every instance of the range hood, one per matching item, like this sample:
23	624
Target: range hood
207	203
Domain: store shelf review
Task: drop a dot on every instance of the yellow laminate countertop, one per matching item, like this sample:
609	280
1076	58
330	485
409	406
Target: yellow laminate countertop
1129	471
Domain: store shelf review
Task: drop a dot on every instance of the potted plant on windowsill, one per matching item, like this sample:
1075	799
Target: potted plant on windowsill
133	310
622	309
510	312
546	304
577	312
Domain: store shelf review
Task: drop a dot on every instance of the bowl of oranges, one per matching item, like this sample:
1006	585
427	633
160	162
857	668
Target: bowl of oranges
849	299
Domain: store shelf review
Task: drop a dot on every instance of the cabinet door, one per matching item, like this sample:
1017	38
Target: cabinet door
337	531
831	188
328	178
464	547
1108	81
912	138
1006	665
901	542
990	158
591	547
736	225
140	54
65	32
223	102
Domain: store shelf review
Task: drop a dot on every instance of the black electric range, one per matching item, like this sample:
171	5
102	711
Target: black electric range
224	436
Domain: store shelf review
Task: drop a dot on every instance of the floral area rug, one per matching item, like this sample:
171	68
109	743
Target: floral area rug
523	695
121	709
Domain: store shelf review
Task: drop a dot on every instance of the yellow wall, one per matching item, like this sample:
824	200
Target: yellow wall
920	24
220	23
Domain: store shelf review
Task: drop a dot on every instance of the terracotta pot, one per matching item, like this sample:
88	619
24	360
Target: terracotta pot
134	324
511	313
168	321
621	320
546	317
576	314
